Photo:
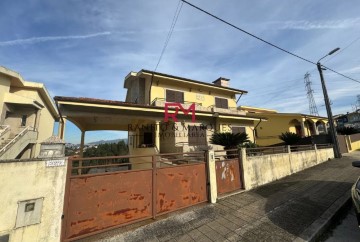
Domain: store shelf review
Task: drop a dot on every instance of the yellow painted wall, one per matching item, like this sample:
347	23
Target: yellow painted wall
4	88
268	131
355	145
27	180
192	93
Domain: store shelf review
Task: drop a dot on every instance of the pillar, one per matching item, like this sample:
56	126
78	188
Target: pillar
82	143
61	128
37	118
157	135
212	175
302	128
325	128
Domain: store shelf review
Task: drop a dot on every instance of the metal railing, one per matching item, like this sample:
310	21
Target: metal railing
15	139
4	129
266	150
164	100
98	165
296	148
223	155
284	149
324	146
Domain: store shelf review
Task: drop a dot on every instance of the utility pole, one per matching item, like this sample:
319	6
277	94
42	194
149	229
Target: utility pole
337	152
309	91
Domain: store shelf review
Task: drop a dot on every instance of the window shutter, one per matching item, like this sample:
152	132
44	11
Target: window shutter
179	97
221	103
237	130
224	103
174	96
170	96
196	135
218	102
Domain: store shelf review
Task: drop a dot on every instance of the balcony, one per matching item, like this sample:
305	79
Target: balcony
160	102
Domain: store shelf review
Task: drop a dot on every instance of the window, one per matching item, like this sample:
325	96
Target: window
221	103
174	96
23	120
237	130
196	135
148	138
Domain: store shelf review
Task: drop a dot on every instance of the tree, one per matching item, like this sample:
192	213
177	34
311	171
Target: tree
290	138
229	140
114	149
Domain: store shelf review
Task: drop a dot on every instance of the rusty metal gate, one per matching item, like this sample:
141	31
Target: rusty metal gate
228	171
108	192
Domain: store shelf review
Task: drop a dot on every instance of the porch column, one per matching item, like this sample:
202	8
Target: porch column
302	128
325	128
37	118
316	129
157	135
82	143
61	128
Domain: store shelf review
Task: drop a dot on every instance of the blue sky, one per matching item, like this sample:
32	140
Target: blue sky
85	48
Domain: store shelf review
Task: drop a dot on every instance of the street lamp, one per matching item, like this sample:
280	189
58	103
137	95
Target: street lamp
337	152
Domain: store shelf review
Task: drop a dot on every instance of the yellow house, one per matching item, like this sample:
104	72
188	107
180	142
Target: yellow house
27	116
143	113
267	133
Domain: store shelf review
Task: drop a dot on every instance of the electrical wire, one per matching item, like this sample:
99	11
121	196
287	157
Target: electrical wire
262	40
171	30
248	33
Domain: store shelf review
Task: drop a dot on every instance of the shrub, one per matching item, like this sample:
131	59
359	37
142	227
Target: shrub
290	138
229	140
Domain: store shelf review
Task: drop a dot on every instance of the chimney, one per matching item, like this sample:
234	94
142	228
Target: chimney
221	81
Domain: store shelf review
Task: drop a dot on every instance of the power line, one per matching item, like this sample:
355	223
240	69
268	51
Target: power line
340	74
342	49
171	30
248	33
262	40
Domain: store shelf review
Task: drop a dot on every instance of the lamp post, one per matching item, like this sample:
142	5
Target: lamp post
337	152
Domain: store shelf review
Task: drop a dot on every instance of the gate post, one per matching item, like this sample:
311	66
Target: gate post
210	158
154	186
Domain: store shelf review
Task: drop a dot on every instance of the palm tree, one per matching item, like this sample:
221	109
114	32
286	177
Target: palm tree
229	140
290	138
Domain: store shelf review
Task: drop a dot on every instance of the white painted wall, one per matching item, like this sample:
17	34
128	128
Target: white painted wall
26	180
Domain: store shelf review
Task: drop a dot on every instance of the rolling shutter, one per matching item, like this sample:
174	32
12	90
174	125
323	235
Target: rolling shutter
221	103
174	96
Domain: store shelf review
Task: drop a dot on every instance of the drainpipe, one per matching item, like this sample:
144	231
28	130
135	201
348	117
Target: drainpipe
61	134
255	129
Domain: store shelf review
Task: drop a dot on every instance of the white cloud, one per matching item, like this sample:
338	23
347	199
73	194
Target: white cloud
313	25
36	40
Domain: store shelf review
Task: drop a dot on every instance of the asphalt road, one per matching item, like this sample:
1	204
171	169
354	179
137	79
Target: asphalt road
345	230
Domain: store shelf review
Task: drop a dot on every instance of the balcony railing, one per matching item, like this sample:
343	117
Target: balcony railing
160	102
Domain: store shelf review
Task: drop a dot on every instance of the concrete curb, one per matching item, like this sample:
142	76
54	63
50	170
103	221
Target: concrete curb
319	226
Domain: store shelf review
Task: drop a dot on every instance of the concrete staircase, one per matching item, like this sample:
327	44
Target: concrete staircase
12	145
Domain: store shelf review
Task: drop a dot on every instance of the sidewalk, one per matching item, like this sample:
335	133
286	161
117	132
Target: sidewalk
293	208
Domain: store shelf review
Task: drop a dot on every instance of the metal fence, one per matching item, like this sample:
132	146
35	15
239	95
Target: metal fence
266	150
284	149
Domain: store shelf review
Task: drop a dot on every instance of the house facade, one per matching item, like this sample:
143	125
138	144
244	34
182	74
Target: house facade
267	133
195	111
349	120
184	135
27	116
